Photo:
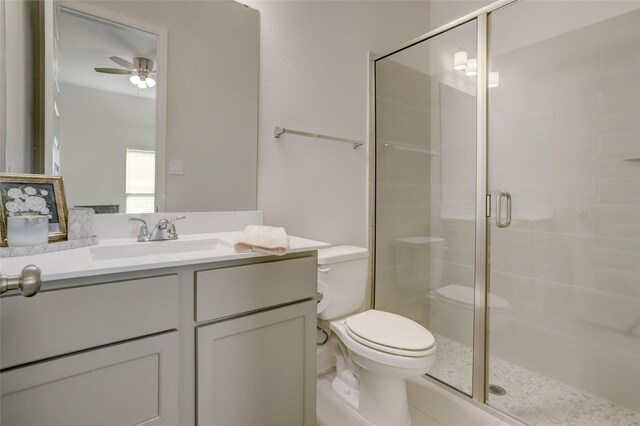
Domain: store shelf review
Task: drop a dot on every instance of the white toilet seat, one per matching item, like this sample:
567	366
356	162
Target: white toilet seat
390	333
383	356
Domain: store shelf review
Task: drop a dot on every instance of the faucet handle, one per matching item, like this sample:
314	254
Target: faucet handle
177	218
138	219
144	229
172	228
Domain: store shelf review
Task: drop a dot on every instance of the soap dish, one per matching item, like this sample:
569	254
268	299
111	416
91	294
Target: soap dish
48	248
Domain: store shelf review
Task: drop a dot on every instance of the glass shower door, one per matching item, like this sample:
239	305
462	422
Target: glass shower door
564	169
425	193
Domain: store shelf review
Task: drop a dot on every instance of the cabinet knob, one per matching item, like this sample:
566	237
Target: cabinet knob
28	281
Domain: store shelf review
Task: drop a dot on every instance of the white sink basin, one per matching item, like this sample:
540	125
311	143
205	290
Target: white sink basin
154	248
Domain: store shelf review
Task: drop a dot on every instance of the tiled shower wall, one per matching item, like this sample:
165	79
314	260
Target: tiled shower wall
403	192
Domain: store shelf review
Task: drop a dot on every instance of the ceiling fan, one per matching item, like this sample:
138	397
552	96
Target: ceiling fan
141	71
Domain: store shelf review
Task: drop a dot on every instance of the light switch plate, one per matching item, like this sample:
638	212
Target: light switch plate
176	167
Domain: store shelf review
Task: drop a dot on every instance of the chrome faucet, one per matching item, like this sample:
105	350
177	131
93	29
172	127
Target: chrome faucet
164	230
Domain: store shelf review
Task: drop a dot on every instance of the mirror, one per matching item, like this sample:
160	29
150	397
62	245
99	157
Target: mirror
187	144
105	115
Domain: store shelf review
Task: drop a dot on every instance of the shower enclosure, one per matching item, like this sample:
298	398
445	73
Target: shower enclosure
507	205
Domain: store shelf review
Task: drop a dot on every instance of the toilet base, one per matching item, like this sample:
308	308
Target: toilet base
346	393
381	400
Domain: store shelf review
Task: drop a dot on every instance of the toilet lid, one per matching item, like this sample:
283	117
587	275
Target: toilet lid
389	332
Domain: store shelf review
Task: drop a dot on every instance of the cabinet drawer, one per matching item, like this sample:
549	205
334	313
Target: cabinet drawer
131	383
62	321
230	291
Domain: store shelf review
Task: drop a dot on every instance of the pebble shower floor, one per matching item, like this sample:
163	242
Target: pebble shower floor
535	399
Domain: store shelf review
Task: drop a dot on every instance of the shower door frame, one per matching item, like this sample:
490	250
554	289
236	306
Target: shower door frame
483	199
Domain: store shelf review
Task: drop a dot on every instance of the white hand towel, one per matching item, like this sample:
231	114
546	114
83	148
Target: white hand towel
264	239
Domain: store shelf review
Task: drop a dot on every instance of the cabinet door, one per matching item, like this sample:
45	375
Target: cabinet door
259	369
125	384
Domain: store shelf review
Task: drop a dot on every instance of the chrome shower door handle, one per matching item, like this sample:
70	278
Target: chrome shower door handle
507	221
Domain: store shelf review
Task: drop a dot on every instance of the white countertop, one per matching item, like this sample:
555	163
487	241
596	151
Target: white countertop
81	262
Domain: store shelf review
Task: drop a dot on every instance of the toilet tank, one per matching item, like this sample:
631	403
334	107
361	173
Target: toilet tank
343	270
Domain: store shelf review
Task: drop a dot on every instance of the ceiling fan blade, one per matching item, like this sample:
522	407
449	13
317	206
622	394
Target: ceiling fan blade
121	62
114	71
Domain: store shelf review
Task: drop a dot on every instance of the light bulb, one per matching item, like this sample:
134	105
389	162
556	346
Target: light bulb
150	82
134	79
494	79
460	60
472	67
142	84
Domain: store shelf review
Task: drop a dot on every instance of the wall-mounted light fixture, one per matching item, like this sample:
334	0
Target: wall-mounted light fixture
472	67
494	79
460	60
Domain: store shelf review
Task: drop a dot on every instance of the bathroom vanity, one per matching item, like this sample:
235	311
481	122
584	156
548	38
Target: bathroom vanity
198	335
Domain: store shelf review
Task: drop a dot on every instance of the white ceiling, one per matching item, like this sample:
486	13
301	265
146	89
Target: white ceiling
87	43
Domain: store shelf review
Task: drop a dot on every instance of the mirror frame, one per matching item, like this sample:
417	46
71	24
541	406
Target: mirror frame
3	96
161	85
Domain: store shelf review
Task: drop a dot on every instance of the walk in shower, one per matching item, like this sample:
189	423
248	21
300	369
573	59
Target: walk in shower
507	205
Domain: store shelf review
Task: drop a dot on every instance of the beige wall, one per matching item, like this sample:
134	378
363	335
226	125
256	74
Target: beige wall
314	70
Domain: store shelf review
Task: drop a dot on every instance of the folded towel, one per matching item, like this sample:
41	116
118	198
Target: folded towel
264	239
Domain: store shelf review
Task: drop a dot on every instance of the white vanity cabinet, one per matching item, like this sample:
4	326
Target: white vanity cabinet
256	358
217	343
100	354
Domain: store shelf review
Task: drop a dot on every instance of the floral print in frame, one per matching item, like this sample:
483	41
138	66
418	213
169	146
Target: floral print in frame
23	194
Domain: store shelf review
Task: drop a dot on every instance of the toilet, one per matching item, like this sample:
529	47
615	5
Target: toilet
375	351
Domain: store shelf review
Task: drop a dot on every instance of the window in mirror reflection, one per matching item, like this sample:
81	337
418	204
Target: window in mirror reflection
141	172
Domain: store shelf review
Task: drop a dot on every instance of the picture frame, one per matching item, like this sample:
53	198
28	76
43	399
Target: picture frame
26	194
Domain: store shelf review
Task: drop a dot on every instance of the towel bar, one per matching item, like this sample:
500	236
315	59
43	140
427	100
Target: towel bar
279	131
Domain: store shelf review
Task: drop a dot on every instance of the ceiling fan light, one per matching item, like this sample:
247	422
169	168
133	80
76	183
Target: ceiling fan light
150	82
142	84
134	79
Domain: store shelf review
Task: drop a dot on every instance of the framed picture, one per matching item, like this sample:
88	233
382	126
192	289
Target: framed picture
22	194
